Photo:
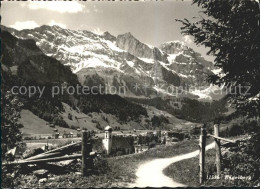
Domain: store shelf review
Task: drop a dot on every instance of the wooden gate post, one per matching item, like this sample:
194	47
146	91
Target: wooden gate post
218	152
89	161
202	146
84	151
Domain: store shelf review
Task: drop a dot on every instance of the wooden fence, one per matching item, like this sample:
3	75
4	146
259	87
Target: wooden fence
202	149
61	154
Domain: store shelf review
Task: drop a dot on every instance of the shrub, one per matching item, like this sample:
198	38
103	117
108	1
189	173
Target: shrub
244	161
69	116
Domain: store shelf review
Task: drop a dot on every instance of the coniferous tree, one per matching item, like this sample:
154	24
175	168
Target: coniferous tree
10	114
231	30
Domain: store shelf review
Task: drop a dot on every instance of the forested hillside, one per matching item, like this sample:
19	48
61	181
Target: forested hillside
33	68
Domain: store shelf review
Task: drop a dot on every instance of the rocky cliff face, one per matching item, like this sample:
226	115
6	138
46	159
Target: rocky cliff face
109	37
162	73
173	47
132	45
129	43
122	60
189	64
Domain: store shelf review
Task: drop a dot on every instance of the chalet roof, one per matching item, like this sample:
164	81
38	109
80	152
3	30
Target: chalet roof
122	142
67	133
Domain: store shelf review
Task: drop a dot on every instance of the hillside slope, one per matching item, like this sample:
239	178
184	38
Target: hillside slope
24	64
33	125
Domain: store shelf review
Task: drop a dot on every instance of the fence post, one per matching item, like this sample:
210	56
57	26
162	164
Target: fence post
218	152
84	151
90	162
202	146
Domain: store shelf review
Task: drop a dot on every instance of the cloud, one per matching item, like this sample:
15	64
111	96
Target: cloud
187	39
30	24
53	22
97	31
58	6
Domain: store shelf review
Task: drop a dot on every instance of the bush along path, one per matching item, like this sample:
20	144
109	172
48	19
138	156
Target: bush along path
150	174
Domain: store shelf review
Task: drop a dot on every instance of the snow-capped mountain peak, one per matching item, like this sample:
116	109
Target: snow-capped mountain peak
123	60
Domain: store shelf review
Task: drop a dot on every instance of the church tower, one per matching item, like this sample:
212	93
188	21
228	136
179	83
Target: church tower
107	141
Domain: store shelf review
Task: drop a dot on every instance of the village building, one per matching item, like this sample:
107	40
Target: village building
56	135
122	145
117	144
68	135
179	135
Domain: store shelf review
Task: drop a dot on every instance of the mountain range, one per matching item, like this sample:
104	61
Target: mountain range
143	71
51	55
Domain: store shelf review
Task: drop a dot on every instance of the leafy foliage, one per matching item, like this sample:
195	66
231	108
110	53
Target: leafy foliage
244	162
245	127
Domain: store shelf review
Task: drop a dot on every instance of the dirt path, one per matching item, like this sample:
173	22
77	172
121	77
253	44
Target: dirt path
150	174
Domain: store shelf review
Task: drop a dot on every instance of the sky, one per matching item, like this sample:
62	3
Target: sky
152	22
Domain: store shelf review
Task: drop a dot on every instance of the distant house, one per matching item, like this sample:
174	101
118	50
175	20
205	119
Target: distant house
56	135
177	135
124	144
150	139
68	135
47	136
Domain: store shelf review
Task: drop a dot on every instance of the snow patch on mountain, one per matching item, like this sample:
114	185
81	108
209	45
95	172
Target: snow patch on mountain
130	63
112	45
147	60
172	57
